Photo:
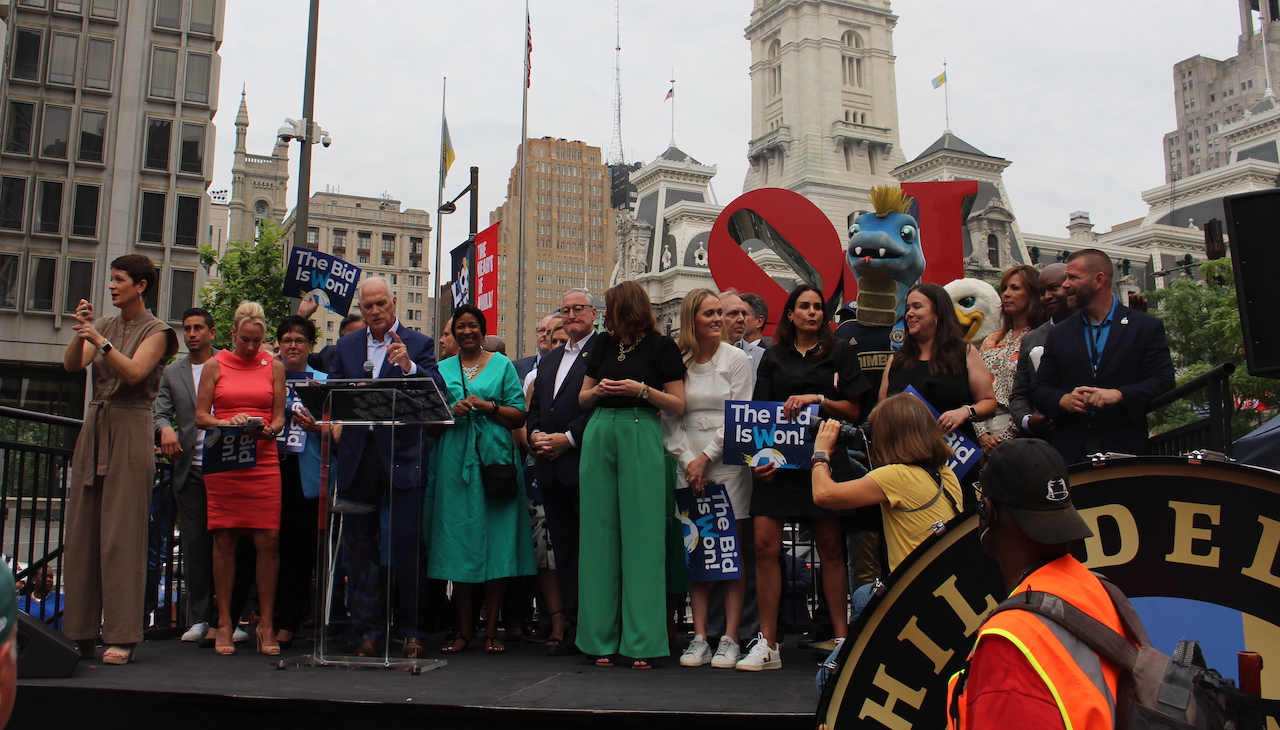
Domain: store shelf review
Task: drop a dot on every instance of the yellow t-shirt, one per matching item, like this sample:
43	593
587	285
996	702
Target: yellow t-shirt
908	487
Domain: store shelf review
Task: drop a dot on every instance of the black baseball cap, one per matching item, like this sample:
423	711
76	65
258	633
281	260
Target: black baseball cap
1029	480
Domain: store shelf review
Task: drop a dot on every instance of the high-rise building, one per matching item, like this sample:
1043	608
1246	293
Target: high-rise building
1210	94
824	101
107	150
380	238
569	233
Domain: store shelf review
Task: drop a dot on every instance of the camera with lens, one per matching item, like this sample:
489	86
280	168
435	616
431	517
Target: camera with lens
850	436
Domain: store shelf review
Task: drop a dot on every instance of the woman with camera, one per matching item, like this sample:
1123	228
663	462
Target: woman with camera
717	371
244	385
911	481
945	370
805	366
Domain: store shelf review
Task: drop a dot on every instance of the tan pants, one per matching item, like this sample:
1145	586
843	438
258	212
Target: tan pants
105	558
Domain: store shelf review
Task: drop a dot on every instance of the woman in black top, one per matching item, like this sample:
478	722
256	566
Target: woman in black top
806	365
633	372
946	370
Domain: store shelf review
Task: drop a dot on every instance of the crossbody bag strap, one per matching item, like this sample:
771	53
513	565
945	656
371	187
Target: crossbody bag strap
942	492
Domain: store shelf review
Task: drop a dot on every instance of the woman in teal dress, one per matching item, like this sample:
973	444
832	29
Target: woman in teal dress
475	538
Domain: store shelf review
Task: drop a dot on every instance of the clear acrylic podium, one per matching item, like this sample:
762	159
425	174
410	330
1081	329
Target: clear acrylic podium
371	562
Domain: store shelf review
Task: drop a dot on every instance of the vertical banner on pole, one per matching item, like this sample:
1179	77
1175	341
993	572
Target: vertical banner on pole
460	267
486	293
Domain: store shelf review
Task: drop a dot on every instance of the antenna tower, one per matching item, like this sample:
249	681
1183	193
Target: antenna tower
617	156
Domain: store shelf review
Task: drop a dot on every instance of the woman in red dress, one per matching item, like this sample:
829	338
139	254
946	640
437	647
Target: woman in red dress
240	383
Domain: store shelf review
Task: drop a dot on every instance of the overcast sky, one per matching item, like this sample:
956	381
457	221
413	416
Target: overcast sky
1077	95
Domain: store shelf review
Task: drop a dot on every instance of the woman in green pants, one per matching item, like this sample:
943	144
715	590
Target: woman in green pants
633	372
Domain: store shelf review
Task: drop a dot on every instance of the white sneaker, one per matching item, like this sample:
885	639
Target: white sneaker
196	632
760	657
698	653
727	654
240	636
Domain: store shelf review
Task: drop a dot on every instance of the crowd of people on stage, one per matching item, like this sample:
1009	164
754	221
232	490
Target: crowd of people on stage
555	484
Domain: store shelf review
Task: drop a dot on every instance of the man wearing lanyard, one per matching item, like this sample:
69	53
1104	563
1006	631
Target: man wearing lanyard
1102	368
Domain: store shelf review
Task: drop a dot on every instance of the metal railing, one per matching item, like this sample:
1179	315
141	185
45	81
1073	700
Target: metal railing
1212	433
35	469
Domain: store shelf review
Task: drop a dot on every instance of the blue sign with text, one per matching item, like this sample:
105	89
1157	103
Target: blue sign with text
235	448
710	534
756	434
325	279
967	453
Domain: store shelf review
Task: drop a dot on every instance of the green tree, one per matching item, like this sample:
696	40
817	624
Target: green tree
249	271
1202	321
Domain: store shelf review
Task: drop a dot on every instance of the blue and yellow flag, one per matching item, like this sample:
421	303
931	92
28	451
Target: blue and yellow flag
940	79
447	155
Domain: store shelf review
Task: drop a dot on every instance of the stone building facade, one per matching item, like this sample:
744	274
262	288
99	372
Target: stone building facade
824	101
380	238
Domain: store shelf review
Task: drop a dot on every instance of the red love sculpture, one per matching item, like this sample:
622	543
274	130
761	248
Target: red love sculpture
794	228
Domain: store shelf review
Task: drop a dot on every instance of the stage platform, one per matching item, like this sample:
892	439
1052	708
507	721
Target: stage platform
176	682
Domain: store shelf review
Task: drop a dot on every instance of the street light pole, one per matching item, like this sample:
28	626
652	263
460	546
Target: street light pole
302	212
474	187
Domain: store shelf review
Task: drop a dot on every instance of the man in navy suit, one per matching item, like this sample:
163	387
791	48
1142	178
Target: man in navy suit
366	456
1102	368
556	424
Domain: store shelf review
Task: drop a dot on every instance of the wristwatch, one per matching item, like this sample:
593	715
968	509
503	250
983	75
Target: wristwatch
820	457
105	347
973	414
645	393
822	400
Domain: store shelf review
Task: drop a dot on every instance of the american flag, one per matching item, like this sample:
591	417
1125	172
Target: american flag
528	49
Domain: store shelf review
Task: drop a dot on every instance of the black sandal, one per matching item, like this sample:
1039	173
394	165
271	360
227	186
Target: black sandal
451	645
493	644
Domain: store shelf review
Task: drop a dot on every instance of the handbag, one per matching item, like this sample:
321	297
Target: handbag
500	481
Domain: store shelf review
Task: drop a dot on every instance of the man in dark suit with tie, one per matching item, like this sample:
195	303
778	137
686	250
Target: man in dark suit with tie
556	424
368	461
175	405
1102	368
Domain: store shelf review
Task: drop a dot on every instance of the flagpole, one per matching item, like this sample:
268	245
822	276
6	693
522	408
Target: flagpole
524	194
946	97
673	107
435	290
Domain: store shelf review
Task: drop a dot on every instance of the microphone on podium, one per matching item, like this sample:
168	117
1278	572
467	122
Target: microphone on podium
368	368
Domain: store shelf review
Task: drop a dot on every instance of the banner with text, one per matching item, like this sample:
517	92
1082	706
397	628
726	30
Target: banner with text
486	295
292	438
325	279
710	534
756	434
967	453
236	448
460	267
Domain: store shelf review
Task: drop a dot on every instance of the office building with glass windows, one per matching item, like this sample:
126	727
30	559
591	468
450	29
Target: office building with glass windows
106	149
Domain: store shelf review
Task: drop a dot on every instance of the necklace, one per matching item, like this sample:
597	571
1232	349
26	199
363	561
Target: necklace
624	350
471	371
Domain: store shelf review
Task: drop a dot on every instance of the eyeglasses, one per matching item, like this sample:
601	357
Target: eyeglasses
299	341
574	310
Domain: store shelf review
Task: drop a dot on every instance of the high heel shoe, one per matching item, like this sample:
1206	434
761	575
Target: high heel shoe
225	647
272	649
284	638
122	654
